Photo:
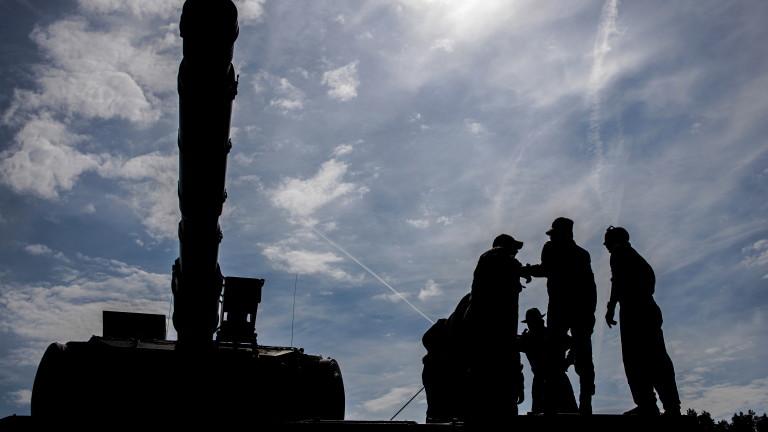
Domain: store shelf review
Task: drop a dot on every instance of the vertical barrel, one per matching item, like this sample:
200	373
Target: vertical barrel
207	87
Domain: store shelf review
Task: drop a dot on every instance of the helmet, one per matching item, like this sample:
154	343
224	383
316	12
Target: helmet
616	235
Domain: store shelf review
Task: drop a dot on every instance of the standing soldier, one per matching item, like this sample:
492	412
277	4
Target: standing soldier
646	361
572	300
496	384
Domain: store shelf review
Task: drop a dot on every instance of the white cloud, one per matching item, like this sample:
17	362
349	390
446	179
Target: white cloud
100	74
390	400
249	10
46	161
43	250
37	249
342	83
391	297
474	127
431	289
446	220
140	8
22	397
445	44
418	223
151	180
40	313
343	149
757	254
723	400
289	98
428	220
302	261
302	198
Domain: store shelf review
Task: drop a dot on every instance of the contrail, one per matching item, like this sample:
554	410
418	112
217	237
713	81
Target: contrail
606	31
371	272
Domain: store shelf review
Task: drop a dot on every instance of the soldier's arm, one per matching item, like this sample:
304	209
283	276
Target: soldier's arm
540	270
611	309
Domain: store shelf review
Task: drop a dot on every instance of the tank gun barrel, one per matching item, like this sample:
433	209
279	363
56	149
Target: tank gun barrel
207	86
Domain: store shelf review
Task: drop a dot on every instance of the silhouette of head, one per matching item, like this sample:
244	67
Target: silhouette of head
508	242
615	237
534	318
562	228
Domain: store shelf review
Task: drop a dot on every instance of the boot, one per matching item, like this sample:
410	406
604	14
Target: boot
651	410
673	411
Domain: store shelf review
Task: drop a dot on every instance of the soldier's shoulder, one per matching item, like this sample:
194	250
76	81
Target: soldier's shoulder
494	253
580	249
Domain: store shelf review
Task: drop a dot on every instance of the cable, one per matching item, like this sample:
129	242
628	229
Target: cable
406	404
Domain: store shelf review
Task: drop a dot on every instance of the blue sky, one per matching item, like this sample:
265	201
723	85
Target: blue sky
386	143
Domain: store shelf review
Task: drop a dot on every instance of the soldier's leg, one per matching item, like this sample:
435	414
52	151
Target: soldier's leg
538	394
557	319
634	351
582	355
558	322
664	376
563	400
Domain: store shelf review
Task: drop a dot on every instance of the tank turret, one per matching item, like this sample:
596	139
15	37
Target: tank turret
216	370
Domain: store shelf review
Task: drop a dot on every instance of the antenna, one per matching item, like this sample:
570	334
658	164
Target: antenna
293	309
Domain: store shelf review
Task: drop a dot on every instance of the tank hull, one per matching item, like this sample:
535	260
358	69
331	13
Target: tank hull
102	380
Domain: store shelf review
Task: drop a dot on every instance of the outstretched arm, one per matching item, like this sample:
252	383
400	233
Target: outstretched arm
539	270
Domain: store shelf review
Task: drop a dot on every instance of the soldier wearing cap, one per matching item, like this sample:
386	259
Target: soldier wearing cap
646	361
551	391
572	300
492	317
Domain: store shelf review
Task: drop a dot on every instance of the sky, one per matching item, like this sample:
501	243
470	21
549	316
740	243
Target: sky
379	147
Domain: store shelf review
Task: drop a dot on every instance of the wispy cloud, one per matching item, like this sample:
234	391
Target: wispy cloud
289	97
70	308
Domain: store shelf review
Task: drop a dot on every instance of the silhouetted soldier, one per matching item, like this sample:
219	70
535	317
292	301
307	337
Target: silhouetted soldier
445	372
551	391
572	300
646	361
495	370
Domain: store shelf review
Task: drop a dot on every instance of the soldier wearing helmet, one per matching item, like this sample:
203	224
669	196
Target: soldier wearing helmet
646	362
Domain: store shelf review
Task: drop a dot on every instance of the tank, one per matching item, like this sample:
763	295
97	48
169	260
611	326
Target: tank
216	370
